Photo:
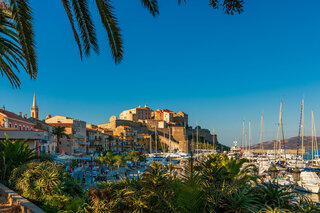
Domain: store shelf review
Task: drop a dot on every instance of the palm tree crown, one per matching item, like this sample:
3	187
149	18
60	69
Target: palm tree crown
17	34
59	131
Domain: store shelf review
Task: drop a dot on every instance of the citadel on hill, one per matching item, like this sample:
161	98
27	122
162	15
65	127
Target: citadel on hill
132	130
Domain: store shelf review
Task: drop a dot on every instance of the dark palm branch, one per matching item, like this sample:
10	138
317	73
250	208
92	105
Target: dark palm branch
66	5
110	23
86	25
22	15
229	6
152	6
11	55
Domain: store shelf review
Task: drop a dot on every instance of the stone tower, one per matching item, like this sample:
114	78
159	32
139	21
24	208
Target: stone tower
34	108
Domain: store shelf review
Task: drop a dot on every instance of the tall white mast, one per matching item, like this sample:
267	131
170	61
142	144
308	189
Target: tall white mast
246	142
315	150
249	136
302	120
280	128
261	134
312	137
242	137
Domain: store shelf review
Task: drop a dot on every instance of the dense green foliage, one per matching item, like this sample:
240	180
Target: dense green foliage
217	184
12	155
48	185
214	184
117	160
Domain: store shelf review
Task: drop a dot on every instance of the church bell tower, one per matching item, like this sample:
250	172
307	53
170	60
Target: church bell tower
34	108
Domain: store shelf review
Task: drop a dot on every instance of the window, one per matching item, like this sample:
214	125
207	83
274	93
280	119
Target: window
10	125
27	128
16	126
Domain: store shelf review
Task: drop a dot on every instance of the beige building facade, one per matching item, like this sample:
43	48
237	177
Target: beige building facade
136	114
76	129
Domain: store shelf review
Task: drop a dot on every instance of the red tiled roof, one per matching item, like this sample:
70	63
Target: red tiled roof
126	126
14	116
166	110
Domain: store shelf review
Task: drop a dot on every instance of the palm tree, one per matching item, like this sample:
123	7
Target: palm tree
118	161
12	155
46	183
19	47
16	40
274	195
59	131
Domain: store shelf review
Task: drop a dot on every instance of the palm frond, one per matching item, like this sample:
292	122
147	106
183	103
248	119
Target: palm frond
110	23
22	15
152	6
229	6
86	25
11	55
66	5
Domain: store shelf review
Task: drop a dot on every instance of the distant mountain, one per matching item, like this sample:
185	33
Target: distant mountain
290	143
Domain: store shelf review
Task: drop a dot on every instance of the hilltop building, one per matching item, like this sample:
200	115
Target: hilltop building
136	114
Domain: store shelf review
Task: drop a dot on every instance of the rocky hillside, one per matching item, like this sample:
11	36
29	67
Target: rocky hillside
290	143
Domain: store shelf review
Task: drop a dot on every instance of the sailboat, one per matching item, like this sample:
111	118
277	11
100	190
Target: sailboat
314	144
296	161
263	162
279	145
309	180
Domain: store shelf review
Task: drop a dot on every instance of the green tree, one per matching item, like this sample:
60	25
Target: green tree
12	155
118	161
59	131
48	185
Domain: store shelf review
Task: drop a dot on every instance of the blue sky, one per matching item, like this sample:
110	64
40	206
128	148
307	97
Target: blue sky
219	69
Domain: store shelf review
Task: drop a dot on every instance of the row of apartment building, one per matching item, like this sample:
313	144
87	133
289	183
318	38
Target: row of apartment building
80	136
162	117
